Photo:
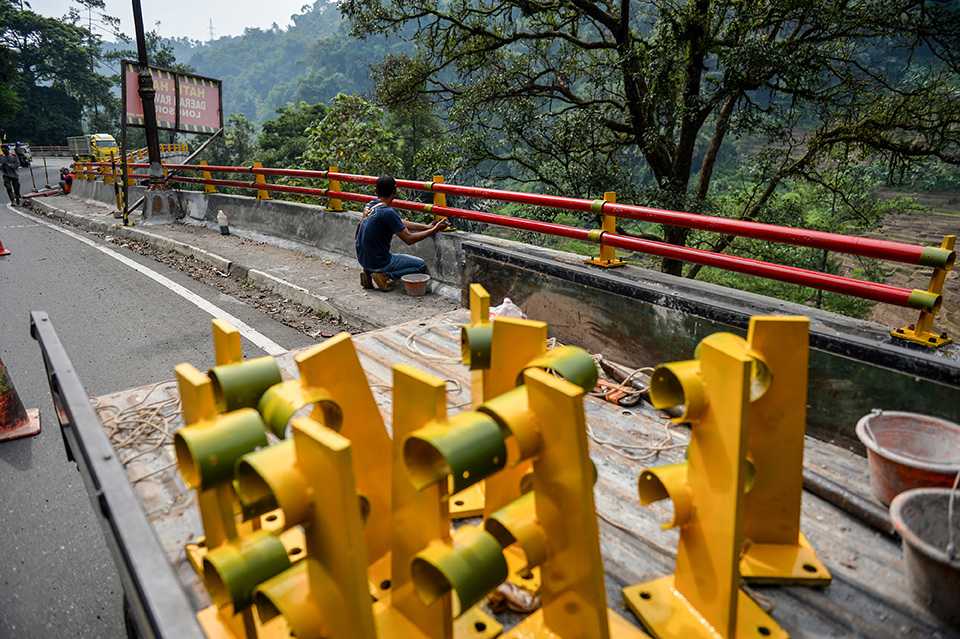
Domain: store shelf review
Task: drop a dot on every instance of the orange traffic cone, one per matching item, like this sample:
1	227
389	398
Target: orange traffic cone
15	421
3	251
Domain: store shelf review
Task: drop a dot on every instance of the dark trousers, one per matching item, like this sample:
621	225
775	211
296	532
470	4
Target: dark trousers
13	188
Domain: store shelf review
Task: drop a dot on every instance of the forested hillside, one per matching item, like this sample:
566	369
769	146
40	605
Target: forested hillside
312	60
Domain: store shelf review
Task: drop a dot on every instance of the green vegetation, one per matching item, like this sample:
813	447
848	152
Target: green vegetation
794	113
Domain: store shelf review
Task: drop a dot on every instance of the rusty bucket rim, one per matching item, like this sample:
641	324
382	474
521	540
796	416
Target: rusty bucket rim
873	446
909	536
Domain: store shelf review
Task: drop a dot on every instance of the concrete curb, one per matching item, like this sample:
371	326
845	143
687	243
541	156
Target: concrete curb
258	278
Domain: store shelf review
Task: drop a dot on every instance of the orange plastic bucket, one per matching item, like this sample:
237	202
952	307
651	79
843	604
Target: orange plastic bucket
909	450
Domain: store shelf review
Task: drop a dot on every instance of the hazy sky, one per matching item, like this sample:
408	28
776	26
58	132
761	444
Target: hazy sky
191	17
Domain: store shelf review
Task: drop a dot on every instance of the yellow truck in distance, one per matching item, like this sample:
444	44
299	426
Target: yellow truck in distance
95	147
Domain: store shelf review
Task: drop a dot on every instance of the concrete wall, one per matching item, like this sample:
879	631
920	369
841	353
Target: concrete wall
642	318
631	315
303	223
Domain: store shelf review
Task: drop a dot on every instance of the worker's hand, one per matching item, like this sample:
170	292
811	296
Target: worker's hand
441	225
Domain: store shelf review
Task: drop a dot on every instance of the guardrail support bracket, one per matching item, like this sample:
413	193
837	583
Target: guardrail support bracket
923	332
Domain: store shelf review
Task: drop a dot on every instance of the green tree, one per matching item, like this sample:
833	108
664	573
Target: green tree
237	145
283	140
589	93
53	73
354	135
426	146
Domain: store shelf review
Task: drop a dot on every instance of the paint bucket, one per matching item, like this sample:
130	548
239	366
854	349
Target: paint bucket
909	450
415	284
920	517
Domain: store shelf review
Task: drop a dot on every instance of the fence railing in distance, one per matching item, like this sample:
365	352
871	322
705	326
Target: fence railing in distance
928	301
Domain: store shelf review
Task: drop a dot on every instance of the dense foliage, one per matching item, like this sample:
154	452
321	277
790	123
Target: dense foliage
585	94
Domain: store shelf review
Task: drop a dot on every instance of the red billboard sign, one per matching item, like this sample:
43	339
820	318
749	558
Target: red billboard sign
184	102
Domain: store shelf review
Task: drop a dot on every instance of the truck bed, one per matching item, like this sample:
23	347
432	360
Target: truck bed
869	596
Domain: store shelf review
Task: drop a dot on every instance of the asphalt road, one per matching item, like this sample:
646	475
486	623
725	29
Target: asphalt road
121	329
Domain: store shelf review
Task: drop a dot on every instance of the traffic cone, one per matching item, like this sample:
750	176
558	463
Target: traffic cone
15	421
3	251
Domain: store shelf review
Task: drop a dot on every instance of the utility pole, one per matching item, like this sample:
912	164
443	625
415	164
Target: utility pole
147	95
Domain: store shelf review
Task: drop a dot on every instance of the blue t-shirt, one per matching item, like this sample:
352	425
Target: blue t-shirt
374	235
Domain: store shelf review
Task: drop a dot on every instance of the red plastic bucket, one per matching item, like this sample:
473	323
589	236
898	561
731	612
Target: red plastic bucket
909	450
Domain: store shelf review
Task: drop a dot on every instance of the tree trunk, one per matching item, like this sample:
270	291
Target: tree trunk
678	236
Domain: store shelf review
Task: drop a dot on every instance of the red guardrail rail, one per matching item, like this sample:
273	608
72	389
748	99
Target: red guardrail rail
927	301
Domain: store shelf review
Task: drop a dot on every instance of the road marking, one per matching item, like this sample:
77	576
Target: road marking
256	337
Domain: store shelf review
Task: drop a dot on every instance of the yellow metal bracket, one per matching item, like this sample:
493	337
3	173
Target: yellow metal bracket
777	551
922	332
553	528
206	175
261	179
703	597
334	204
421	517
608	255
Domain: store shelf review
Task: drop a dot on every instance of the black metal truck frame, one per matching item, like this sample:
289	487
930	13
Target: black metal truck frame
155	603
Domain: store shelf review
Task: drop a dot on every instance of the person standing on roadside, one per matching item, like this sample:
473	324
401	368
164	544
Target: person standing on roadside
9	168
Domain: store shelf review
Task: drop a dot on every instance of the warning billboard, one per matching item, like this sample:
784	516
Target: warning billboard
184	102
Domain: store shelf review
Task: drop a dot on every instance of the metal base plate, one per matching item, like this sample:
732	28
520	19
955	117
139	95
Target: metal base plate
468	502
667	614
596	261
216	627
472	624
783	564
533	628
29	428
517	572
925	338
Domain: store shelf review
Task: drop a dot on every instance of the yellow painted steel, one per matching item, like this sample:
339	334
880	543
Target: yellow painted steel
471	502
515	343
439	199
419	519
260	179
334	204
703	597
572	592
777	551
227	347
608	255
922	332
334	601
206	175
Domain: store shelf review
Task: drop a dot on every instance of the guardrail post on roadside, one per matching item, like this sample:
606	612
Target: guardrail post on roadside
334	204
107	173
439	199
206	175
608	255
260	178
923	332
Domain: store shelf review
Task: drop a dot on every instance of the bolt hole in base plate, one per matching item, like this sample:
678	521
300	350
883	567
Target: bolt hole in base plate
666	613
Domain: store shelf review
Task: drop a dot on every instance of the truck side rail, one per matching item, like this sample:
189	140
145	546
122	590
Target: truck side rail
155	603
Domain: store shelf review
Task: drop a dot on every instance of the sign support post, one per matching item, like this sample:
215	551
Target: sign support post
147	94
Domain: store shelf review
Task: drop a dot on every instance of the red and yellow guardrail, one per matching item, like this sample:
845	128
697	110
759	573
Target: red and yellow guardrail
941	258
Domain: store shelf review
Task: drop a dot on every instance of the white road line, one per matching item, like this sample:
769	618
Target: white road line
259	339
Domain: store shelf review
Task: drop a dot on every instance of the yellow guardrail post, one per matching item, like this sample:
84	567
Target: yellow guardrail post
206	175
334	204
714	393
439	199
608	255
260	179
922	332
